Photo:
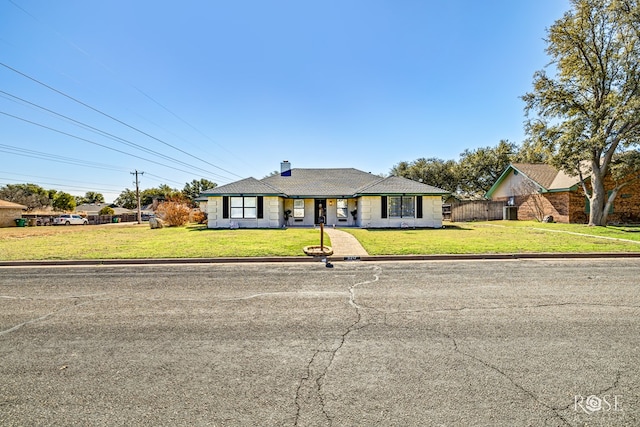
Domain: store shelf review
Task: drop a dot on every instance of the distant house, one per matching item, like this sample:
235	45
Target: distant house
538	190
88	209
340	197
9	212
93	209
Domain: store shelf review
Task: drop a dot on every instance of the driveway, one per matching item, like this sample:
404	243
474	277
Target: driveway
488	343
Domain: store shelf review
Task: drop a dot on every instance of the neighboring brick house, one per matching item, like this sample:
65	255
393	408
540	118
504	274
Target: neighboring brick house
538	190
9	212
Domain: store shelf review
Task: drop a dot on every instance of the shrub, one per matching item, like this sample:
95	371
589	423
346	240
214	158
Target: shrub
174	213
198	217
107	210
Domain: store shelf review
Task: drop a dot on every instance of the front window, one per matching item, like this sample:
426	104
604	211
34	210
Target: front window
402	207
243	207
341	208
298	208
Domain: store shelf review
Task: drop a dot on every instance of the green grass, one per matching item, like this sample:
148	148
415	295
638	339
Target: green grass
140	241
127	241
497	237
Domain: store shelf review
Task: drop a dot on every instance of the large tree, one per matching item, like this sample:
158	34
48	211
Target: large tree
433	171
127	199
93	197
474	173
587	109
63	202
479	169
193	189
160	193
31	195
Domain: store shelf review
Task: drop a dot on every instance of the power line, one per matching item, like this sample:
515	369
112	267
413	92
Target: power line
93	142
107	134
59	185
18	151
113	118
48	177
164	179
85	53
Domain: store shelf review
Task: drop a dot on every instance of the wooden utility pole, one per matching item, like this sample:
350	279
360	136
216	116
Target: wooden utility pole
136	173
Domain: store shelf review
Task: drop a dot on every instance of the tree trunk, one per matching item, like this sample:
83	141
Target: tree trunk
597	213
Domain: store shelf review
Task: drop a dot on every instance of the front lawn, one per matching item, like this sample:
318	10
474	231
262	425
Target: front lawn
131	241
497	237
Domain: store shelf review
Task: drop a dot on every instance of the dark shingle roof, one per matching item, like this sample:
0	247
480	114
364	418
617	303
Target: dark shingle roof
244	186
322	182
548	177
539	173
399	185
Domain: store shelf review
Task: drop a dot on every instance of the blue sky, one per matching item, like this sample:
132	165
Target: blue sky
223	90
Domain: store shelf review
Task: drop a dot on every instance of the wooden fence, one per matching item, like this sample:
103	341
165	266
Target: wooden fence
473	210
106	219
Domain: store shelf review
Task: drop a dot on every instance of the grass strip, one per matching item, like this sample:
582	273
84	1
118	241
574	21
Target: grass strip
497	237
128	241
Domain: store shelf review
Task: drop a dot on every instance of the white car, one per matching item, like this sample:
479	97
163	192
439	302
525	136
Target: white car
70	219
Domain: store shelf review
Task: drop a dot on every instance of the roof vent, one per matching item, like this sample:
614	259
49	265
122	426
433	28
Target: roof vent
285	168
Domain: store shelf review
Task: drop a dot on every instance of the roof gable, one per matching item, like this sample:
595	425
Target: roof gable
541	174
339	182
547	177
400	185
4	204
321	182
244	186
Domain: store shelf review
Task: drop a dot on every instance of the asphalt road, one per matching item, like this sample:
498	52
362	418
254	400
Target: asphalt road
470	343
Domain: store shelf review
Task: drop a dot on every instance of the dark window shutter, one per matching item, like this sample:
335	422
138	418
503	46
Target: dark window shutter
225	207
418	206
383	202
260	207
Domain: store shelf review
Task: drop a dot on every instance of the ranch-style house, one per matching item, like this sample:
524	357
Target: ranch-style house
338	197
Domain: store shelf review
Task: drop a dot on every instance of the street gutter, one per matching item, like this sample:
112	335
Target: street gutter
274	259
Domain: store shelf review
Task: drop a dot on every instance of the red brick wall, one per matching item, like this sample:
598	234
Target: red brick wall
570	207
626	206
554	204
577	207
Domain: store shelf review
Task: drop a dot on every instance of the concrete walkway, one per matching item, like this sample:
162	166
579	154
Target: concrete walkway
344	244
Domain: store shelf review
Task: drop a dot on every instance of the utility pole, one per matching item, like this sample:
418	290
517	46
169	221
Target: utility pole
136	173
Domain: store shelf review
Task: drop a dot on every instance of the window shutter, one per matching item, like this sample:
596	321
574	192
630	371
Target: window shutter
418	206
260	207
225	207
383	203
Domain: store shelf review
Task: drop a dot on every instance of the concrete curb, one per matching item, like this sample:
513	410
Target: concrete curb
369	258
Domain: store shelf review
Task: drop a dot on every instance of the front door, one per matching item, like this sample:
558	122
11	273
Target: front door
320	204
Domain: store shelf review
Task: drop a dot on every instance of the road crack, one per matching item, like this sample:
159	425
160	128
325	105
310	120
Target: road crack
41	318
310	398
457	349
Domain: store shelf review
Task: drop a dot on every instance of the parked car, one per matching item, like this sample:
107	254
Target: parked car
43	220
70	219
